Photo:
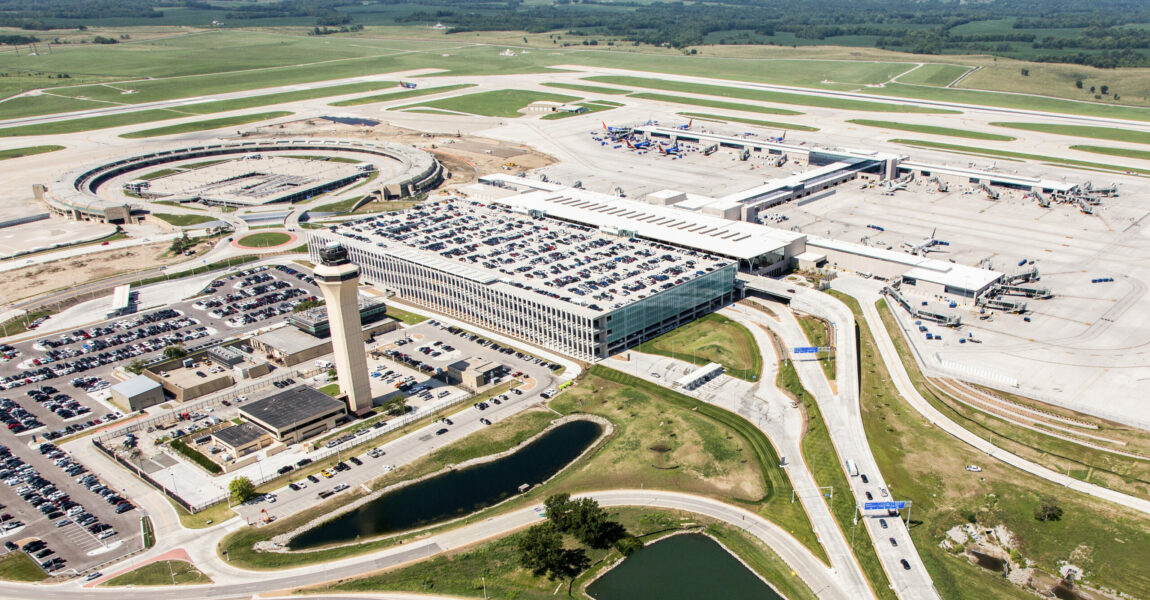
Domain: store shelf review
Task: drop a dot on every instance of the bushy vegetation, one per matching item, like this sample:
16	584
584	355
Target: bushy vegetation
196	456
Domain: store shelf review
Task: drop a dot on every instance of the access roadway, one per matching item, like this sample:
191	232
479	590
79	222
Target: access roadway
843	418
232	582
867	294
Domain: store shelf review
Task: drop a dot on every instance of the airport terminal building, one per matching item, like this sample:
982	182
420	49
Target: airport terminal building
570	288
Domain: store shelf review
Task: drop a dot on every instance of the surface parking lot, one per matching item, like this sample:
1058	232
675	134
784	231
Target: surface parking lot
72	521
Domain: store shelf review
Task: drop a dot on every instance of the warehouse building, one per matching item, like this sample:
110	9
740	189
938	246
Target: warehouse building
566	287
472	373
138	393
296	414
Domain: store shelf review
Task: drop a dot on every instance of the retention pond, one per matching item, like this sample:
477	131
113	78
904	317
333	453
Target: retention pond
681	567
457	493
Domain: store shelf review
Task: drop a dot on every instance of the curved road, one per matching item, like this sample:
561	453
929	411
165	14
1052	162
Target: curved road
238	583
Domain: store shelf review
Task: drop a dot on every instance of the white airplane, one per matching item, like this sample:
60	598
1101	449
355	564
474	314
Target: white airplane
927	245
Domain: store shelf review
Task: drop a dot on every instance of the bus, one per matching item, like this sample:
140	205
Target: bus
852	468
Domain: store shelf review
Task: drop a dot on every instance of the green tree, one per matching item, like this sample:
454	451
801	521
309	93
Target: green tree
1049	510
1104	89
1078	84
241	489
558	508
540	548
136	367
176	351
1026	72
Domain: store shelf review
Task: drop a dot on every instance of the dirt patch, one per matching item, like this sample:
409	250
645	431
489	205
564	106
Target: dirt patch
39	279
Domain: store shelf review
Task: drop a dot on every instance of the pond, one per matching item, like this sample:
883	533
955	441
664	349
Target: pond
457	493
681	567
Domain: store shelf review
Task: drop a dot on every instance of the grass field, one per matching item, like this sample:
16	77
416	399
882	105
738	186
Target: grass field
496	103
29	151
588	89
1110	151
17	566
264	240
823	460
1084	131
494	564
934	74
819	334
756	122
206	125
163	572
592	107
401	95
933	130
402	315
924	465
764	95
713	338
1019	155
183	220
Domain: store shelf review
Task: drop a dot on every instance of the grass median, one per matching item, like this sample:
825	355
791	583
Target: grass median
403	95
163	572
183	220
206	125
1084	131
496	103
28	151
819	333
762	95
588	89
17	566
827	468
934	130
769	124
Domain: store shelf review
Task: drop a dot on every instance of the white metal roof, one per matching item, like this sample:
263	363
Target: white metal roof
121	296
135	386
738	239
1035	182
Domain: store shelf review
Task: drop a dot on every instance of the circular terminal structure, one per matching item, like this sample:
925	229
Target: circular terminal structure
253	176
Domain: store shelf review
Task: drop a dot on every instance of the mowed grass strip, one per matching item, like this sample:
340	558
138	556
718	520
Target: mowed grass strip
1019	155
402	95
29	151
496	103
766	110
264	240
766	95
934	130
756	122
711	339
204	108
1088	131
206	125
590	89
1111	151
164	572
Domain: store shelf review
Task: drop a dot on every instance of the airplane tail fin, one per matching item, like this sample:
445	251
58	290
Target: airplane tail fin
783	138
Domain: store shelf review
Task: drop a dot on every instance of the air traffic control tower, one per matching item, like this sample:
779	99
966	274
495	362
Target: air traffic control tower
338	278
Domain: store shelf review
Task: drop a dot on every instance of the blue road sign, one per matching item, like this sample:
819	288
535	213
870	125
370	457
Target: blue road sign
807	350
897	505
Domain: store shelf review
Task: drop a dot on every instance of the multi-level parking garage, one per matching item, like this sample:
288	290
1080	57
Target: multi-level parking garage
566	287
76	194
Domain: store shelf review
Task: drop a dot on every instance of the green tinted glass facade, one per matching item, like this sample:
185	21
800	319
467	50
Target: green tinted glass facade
668	309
